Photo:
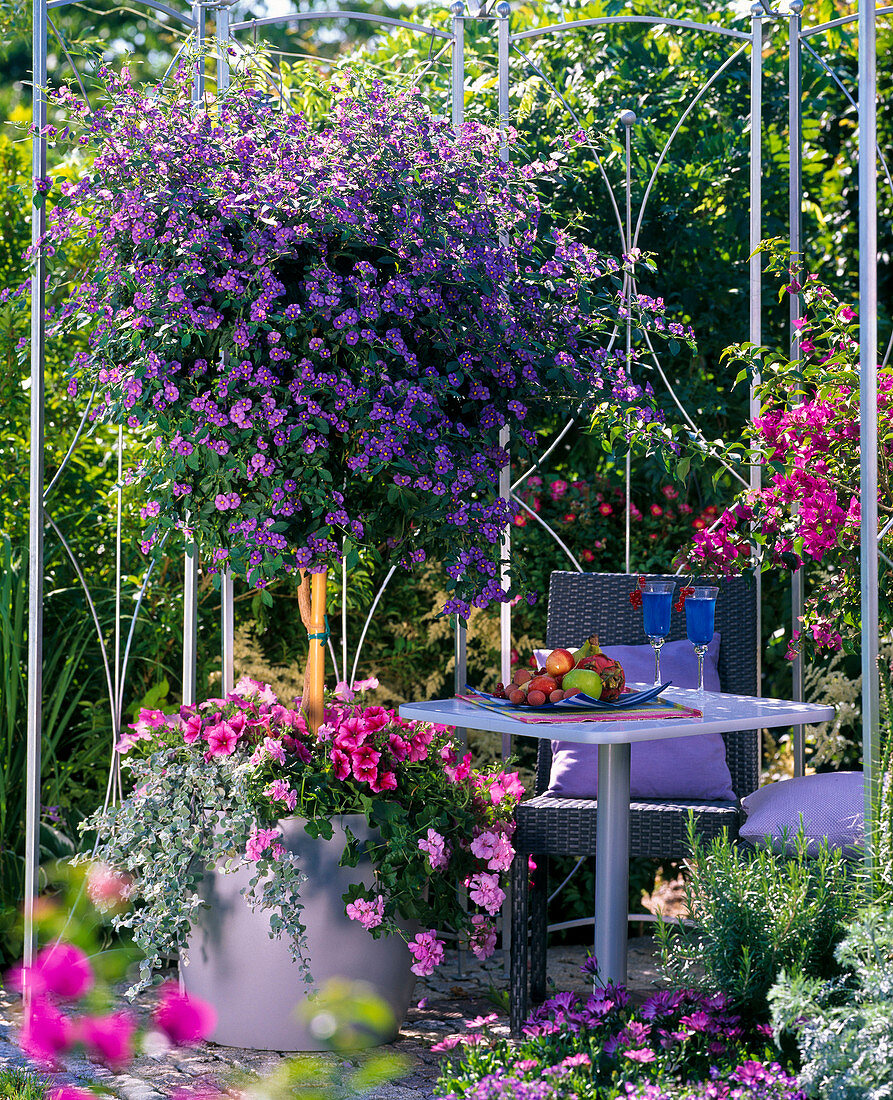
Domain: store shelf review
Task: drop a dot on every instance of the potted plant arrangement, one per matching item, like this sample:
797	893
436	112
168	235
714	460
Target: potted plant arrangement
318	339
371	813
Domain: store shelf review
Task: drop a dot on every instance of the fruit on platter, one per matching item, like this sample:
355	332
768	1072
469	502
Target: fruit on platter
586	680
566	673
611	671
560	662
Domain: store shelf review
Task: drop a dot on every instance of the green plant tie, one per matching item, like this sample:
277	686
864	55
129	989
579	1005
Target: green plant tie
322	635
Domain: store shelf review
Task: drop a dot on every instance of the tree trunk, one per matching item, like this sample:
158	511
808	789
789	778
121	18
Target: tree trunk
314	678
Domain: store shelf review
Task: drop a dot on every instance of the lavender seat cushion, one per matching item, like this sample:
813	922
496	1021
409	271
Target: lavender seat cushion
831	806
680	767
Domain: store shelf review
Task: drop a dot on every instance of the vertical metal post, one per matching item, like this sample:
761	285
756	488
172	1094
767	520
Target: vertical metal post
755	295
612	862
223	36
190	563
198	80
228	633
503	11
457	85
795	220
868	357
457	99
36	475
628	120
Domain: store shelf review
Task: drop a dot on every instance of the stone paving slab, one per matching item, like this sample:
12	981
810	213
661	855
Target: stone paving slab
460	990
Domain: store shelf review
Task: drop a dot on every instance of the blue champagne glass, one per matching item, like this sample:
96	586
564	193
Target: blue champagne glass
700	611
657	606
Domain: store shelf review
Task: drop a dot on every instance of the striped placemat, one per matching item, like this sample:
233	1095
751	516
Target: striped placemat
659	708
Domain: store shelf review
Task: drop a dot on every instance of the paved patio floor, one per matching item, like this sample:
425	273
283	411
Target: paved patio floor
455	993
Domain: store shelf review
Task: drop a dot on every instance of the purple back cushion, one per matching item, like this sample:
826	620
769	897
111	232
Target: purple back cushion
678	767
830	804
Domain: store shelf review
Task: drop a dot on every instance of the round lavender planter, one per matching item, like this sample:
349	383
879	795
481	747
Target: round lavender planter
251	980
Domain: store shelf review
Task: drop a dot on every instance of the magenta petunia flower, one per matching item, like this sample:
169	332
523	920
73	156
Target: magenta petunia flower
183	1019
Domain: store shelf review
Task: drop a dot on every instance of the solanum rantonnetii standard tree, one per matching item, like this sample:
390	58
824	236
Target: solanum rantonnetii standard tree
323	333
807	438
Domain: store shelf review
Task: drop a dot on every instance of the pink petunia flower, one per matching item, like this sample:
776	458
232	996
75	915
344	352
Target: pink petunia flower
364	763
221	740
342	764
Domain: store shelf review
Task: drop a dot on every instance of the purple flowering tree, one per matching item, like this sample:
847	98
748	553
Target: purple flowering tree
319	335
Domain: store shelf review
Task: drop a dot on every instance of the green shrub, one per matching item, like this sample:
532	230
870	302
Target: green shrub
844	1027
758	914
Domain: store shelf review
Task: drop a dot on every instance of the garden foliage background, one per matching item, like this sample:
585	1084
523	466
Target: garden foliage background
697	228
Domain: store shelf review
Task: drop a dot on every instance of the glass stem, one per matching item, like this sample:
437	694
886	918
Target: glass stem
656	644
700	650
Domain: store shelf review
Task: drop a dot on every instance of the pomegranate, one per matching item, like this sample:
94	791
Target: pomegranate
611	671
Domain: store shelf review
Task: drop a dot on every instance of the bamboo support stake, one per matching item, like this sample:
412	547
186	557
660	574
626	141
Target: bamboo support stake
316	658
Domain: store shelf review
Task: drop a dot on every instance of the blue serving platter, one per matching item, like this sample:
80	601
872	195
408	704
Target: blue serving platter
581	701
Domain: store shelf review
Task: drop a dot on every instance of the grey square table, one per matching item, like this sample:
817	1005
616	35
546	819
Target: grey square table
721	713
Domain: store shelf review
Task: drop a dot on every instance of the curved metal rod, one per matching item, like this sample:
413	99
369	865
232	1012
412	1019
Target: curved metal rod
133	620
70	451
819	28
174	60
676	129
555	536
598	159
840	84
542	458
378	595
90	604
685	414
886	358
365	17
74	69
155	4
654	20
574	870
334	660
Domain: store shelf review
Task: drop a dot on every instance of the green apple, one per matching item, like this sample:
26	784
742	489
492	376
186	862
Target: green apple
586	680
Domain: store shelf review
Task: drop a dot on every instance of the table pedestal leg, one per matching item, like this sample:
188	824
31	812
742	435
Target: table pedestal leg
612	862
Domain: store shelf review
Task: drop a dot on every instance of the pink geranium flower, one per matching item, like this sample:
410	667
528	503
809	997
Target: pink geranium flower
259	841
109	1038
427	950
183	1019
369	913
436	848
46	1032
61	970
484	890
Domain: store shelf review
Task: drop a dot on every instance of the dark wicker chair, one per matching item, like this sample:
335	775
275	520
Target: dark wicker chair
581	604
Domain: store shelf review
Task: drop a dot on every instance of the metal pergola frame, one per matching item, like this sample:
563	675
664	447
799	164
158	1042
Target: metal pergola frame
193	20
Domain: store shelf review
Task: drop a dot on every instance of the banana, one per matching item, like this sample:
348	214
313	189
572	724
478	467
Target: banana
589	647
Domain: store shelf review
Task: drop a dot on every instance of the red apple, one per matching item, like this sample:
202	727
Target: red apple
559	662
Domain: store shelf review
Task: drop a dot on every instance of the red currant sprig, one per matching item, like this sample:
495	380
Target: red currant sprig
635	597
683	594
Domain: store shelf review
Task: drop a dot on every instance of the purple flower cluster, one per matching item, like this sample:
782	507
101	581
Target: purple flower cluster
322	333
679	1045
